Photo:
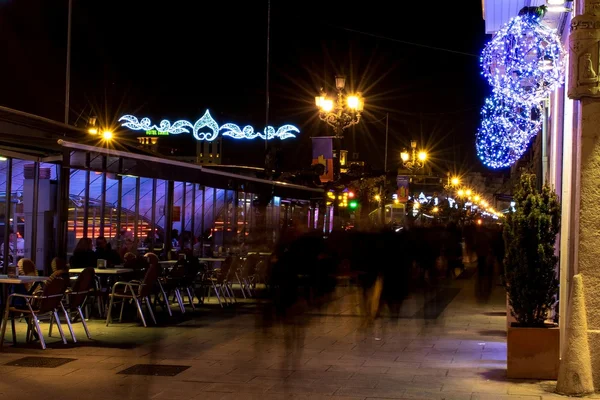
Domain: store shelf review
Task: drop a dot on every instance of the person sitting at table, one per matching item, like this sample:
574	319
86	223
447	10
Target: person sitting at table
104	251
83	255
59	268
26	267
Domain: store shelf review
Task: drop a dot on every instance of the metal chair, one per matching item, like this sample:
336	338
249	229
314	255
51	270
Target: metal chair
136	291
49	301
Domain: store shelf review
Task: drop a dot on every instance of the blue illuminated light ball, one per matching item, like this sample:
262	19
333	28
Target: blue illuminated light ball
525	60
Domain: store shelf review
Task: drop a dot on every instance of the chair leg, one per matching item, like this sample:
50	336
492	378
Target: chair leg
140	312
241	285
121	313
14	330
59	327
69	322
216	290
149	307
109	310
179	300
51	325
4	322
165	298
191	297
39	330
85	327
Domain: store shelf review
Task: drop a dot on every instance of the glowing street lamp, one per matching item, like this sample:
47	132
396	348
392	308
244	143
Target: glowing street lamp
415	160
344	111
452	182
107	135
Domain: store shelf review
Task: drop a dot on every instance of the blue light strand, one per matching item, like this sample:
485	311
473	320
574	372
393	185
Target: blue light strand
525	60
207	121
506	130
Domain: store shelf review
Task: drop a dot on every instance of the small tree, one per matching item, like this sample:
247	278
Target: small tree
530	261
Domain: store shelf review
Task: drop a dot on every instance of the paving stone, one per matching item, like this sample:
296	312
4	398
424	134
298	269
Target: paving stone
456	357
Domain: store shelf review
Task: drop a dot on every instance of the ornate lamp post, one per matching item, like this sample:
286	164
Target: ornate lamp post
452	183
415	160
341	112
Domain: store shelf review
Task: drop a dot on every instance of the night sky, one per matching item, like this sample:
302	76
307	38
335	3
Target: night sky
417	61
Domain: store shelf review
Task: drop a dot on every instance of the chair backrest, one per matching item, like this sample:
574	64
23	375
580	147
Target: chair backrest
27	267
250	264
152	258
81	287
53	292
150	279
59	264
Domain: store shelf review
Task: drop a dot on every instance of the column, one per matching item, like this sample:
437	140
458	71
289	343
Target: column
584	41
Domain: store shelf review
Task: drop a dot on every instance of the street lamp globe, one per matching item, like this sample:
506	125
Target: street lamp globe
327	105
404	156
340	82
455	181
107	135
353	102
422	156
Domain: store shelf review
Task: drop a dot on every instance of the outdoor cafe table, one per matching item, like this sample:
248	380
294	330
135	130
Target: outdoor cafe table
210	259
104	271
8	281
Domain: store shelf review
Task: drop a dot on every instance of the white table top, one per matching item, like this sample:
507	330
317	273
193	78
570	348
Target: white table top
4	279
170	262
211	259
104	271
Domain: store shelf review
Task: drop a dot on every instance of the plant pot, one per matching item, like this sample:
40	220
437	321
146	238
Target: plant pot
533	353
509	317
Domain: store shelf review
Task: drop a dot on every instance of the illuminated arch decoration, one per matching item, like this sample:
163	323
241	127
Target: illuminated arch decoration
525	59
506	130
206	128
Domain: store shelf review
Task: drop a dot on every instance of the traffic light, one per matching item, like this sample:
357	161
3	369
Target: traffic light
353	204
330	198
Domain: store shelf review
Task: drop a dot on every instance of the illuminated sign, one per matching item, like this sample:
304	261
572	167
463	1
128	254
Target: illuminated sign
154	132
206	128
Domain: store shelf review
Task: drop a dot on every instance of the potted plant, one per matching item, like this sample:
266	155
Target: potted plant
531	282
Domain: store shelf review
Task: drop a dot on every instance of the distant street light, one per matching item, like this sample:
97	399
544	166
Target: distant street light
415	160
107	135
344	111
452	182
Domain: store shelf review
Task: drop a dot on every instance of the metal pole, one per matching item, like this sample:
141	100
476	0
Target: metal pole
245	213
169	218
202	221
385	159
182	213
136	222
103	197
86	208
34	212
153	217
68	69
193	215
119	205
268	70
7	206
543	179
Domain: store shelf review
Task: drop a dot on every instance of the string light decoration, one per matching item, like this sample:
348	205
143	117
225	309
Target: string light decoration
525	60
207	121
506	130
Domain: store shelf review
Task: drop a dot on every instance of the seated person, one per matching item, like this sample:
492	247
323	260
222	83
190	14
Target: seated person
60	268
104	251
83	255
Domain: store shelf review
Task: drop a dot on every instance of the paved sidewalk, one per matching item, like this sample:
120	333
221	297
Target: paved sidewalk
450	348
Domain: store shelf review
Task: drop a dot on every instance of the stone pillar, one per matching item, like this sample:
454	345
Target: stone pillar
584	85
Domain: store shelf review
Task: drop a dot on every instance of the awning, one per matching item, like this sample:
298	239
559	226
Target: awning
123	162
